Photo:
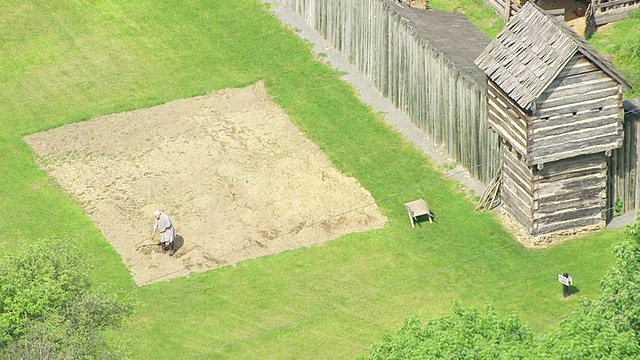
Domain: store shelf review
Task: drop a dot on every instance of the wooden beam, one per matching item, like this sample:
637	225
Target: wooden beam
614	15
557	128
612	3
580	105
572	225
612	129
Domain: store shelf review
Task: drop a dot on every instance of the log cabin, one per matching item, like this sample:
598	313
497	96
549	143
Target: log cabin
556	105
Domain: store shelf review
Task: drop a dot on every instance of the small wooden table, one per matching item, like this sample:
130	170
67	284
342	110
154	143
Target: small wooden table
417	208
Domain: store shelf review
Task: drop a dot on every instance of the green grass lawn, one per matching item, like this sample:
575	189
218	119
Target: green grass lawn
477	11
67	63
621	40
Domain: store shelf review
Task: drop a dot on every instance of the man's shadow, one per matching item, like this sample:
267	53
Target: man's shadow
178	242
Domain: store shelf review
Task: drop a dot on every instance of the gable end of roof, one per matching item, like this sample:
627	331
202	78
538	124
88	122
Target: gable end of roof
531	51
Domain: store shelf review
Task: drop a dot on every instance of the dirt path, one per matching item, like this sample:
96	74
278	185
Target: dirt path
237	177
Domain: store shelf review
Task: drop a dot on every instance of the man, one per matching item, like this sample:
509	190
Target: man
167	232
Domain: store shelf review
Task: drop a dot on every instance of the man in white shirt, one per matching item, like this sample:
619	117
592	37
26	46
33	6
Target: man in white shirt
167	232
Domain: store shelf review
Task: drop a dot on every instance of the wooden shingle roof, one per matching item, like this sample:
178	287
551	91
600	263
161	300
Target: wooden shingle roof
438	28
531	50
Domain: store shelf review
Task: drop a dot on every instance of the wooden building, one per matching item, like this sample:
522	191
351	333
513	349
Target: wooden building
557	106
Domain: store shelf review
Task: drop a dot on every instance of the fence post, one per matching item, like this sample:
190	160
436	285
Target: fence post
507	10
589	21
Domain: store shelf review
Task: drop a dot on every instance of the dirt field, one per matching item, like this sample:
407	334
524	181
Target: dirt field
573	9
237	177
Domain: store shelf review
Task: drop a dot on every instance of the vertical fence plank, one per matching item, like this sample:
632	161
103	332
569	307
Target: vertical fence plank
623	178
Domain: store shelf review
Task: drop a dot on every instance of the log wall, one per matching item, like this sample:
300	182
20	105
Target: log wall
579	113
507	119
570	194
517	187
564	196
413	73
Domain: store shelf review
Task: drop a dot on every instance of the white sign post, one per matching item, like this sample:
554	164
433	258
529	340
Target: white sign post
566	281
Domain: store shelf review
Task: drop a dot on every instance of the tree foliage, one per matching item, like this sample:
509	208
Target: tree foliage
49	310
607	327
466	334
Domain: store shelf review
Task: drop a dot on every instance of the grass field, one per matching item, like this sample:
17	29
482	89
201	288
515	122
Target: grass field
67	63
479	13
622	41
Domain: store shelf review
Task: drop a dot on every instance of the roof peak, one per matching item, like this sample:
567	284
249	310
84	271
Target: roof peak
582	44
531	51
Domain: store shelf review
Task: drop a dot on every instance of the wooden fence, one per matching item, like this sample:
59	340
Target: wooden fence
506	8
590	26
624	183
601	11
606	11
386	42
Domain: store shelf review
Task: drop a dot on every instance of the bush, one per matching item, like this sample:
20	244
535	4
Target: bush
49	310
467	334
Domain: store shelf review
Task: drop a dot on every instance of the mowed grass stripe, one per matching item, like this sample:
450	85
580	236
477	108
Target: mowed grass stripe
101	57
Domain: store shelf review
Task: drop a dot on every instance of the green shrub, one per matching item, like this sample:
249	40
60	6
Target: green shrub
48	308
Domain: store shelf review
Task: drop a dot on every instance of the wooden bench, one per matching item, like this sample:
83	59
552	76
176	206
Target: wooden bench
417	208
